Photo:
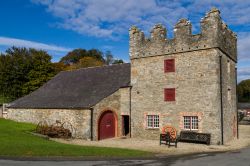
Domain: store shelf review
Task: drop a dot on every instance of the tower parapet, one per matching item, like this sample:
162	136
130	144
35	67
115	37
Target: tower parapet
183	29
214	34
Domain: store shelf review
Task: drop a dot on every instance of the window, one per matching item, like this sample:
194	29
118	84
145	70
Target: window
169	94
169	65
229	94
190	122
228	67
152	121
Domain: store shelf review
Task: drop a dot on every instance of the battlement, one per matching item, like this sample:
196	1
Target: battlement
214	34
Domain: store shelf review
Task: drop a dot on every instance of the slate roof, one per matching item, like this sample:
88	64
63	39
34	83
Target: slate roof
80	88
243	105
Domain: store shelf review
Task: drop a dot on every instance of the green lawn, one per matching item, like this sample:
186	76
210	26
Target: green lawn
16	141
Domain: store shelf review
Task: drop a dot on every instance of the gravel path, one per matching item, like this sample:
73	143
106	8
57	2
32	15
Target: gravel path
153	145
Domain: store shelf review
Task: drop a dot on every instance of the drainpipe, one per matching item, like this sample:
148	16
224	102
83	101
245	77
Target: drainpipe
237	120
91	123
130	88
221	101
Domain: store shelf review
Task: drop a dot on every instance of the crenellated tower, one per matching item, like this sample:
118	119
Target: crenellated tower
187	81
214	34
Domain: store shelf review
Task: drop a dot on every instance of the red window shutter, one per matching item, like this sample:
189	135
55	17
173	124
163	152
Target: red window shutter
169	94
169	65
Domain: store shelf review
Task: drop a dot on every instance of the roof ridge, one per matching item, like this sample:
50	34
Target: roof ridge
94	67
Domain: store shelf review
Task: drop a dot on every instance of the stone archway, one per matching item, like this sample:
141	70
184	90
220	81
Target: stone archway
107	125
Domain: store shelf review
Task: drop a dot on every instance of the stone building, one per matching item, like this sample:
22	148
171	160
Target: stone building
188	82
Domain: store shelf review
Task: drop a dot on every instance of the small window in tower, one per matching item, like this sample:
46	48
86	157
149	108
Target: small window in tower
229	94
169	94
228	67
169	65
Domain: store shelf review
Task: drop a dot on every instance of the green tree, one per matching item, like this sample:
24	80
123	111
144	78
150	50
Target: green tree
118	61
41	71
23	70
16	65
243	90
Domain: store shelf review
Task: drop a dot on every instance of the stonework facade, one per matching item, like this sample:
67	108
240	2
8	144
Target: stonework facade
204	78
118	103
188	82
80	119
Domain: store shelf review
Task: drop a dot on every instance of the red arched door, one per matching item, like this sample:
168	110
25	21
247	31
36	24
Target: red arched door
107	125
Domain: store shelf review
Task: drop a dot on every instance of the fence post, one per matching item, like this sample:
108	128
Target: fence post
4	110
1	111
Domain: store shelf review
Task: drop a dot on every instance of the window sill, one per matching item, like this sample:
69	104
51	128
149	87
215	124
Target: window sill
152	128
194	130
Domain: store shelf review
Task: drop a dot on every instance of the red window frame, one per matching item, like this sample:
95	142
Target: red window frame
169	65
169	94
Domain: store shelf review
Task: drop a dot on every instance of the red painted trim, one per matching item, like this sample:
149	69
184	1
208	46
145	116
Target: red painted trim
169	65
169	94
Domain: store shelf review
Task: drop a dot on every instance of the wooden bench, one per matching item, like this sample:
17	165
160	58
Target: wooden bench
168	136
191	136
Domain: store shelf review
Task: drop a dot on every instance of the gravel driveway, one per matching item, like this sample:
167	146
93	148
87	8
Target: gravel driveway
153	145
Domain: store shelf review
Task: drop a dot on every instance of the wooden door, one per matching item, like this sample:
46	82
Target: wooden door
107	125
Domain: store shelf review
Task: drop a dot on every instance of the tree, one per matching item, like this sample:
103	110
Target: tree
59	66
118	61
41	71
14	70
75	55
109	59
23	70
243	90
88	61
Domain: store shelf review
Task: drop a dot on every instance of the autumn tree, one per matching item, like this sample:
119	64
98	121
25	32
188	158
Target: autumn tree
75	55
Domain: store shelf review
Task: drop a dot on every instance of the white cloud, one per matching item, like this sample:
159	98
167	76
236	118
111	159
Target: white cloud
6	41
233	11
112	18
243	73
243	46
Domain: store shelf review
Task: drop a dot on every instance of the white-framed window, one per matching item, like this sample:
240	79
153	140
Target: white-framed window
152	121
190	122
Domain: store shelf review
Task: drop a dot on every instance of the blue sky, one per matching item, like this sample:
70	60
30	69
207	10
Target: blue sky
59	26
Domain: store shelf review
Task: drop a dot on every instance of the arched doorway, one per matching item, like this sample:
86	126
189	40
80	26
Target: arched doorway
107	125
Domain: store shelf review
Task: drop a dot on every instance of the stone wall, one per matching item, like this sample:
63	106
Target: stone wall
118	102
80	119
229	97
196	81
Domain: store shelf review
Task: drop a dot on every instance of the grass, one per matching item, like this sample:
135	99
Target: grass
16	141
